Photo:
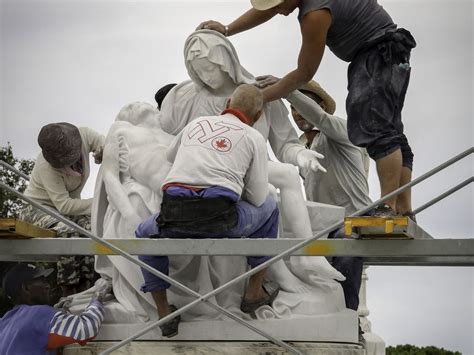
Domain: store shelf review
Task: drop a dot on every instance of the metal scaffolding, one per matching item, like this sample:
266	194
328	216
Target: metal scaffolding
425	250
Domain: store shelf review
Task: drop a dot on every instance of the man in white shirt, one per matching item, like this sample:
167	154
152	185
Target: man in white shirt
61	170
217	187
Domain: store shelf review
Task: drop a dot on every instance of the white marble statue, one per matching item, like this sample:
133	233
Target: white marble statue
215	72
128	191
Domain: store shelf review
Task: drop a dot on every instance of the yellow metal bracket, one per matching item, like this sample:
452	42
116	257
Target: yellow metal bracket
387	223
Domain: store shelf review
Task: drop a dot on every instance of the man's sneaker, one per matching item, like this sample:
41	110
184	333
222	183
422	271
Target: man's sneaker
383	210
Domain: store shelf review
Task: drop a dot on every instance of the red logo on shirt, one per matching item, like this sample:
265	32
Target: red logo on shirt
222	144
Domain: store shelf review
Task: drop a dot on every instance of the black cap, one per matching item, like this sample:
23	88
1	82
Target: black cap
20	274
161	94
60	143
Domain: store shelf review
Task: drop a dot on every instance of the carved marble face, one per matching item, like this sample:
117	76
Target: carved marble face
211	74
139	114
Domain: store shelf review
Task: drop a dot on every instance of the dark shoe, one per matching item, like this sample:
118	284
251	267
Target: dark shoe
170	328
271	288
383	210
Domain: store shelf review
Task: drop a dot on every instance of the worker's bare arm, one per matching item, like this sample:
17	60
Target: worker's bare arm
314	29
248	20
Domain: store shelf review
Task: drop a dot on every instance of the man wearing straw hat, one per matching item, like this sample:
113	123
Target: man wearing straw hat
345	183
363	33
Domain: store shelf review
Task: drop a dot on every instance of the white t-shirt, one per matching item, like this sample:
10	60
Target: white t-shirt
221	151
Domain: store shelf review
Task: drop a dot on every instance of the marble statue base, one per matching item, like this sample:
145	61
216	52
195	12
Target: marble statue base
335	327
215	348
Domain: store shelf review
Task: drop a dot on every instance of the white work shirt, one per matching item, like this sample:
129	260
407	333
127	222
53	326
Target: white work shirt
53	188
221	151
345	183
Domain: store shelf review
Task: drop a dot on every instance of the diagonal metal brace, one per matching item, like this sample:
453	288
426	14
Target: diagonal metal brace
152	270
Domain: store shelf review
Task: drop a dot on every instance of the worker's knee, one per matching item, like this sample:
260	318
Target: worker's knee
407	154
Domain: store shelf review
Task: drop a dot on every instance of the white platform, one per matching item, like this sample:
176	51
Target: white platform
339	327
215	348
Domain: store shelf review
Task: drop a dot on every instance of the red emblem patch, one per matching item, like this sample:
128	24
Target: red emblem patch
222	144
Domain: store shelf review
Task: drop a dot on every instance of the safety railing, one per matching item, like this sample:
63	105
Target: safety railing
291	250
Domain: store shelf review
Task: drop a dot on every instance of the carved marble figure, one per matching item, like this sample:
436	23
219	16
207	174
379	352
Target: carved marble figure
127	191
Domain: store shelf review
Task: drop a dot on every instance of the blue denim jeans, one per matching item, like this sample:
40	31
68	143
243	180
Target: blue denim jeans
253	222
351	268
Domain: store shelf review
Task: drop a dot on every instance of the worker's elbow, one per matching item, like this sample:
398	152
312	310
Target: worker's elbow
306	74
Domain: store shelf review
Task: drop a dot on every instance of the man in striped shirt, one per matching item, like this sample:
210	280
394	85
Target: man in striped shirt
34	327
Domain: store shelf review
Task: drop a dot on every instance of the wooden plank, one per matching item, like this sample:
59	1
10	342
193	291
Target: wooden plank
14	228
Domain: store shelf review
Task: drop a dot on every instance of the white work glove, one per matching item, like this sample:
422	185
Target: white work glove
102	288
266	80
308	160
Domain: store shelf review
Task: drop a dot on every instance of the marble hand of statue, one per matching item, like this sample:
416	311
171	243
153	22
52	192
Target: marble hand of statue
64	303
212	25
266	80
102	288
308	160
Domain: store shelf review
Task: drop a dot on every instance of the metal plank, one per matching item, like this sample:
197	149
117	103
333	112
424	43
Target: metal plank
462	261
253	247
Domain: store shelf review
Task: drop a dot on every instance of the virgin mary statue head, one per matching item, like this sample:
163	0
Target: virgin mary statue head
213	64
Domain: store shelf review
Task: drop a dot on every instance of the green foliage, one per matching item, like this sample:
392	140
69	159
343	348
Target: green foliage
414	350
10	205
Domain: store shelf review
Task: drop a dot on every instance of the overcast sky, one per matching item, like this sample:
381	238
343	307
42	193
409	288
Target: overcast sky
81	61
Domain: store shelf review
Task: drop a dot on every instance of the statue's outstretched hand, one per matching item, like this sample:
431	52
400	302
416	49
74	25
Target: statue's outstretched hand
212	25
64	303
102	288
308	159
266	80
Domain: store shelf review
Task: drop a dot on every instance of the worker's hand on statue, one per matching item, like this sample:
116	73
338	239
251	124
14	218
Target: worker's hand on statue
98	155
64	303
308	160
212	25
266	80
103	287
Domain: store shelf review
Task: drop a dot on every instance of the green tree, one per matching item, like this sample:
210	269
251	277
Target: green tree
10	205
415	350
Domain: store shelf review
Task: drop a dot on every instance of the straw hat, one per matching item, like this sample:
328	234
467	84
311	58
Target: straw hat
315	88
262	5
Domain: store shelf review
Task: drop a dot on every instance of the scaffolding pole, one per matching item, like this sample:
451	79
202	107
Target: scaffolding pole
443	195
